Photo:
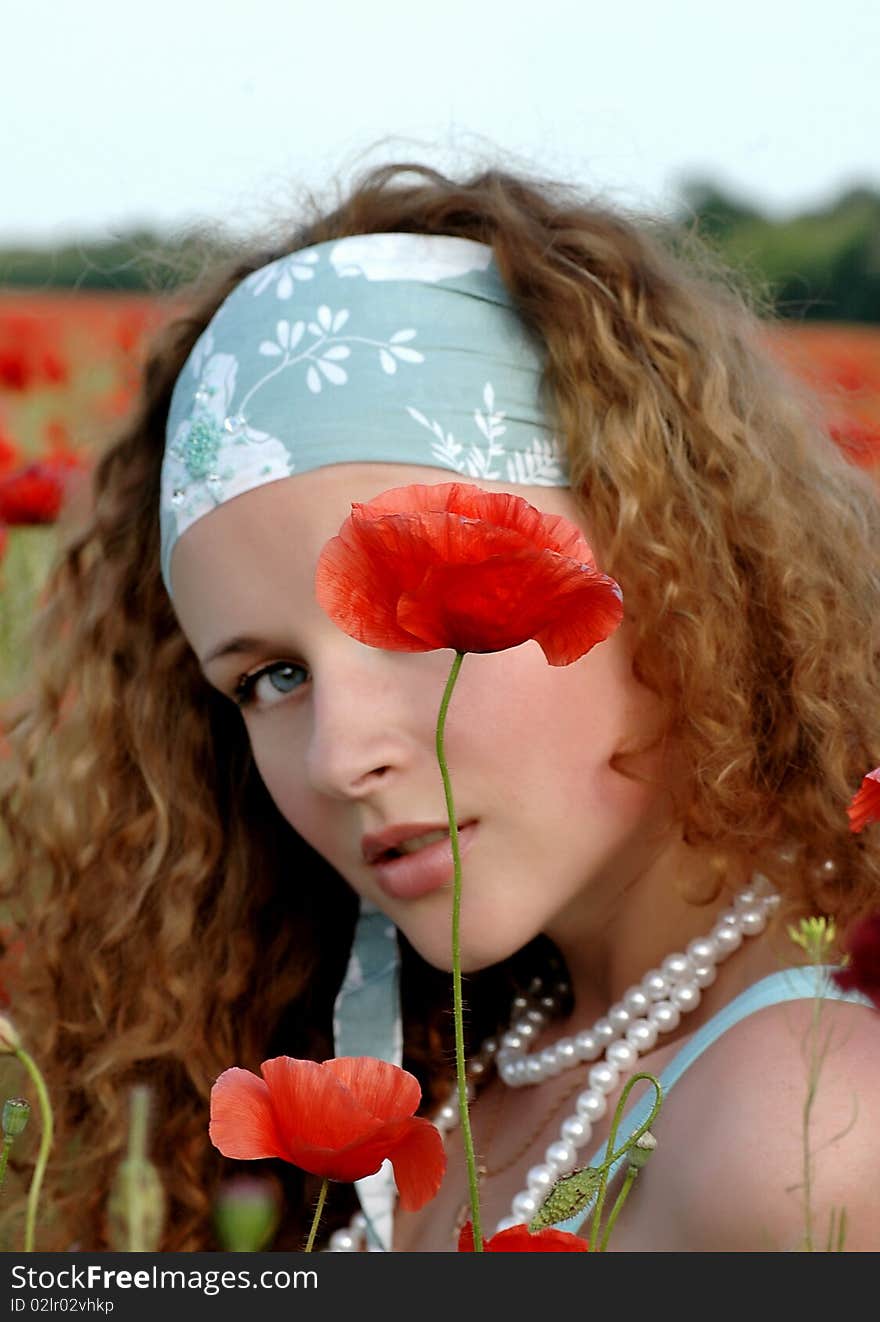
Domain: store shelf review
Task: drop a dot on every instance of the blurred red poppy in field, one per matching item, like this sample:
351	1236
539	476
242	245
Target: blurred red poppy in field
339	1119
519	1239
862	970
422	567
10	455
860	441
864	807
31	495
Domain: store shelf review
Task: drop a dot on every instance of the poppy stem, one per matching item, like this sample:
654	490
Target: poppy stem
457	1012
44	1148
317	1217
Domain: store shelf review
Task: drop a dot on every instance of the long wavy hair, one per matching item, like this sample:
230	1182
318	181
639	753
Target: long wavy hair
175	924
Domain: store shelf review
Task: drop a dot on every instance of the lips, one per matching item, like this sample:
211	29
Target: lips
385	843
429	868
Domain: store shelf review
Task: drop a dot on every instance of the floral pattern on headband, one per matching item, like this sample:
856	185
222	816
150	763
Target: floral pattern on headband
542	465
214	454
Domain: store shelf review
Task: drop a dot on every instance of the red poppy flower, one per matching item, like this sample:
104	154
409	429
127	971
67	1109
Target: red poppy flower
340	1119
32	495
519	1239
422	567
10	455
862	971
865	805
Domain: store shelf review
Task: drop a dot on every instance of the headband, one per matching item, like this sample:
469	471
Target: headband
395	348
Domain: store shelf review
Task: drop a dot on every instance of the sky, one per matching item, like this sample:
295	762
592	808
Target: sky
175	112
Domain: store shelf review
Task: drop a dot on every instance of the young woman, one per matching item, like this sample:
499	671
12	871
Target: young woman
219	799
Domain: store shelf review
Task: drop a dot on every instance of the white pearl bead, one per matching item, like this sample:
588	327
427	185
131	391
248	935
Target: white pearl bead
642	1035
636	1001
358	1223
604	1077
508	1073
727	938
619	1017
622	1055
489	1047
701	951
342	1241
655	985
728	916
565	1049
705	974
524	1205
576	1129
772	902
753	921
447	1116
665	1015
536	1017
550	1061
605	1031
513	1041
561	1156
519	1003
476	1067
587	1046
745	900
535	1072
540	1180
675	967
686	996
525	1031
591	1104
506	1222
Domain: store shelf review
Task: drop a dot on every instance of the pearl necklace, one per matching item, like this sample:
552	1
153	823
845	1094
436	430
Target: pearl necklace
628	1030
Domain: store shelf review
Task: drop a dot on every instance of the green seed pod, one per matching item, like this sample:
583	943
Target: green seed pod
16	1113
567	1197
246	1213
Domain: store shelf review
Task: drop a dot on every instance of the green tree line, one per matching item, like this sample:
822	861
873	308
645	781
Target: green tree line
821	265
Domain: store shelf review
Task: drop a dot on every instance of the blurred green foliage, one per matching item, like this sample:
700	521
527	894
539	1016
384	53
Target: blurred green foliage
822	265
817	266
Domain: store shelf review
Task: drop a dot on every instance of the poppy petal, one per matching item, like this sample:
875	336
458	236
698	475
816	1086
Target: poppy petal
419	1161
242	1119
865	805
519	1239
312	1108
384	1090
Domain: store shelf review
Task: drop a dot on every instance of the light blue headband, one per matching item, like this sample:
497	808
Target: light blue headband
396	348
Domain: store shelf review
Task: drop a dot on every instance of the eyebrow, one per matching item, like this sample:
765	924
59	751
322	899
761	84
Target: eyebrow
241	643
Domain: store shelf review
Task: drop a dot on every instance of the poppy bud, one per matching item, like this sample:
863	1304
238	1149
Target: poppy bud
641	1150
246	1213
16	1113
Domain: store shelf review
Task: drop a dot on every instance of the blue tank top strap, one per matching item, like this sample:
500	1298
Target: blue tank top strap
792	984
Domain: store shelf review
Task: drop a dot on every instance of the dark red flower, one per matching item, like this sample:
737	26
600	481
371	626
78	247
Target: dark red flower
31	495
422	567
519	1239
862	970
864	807
339	1119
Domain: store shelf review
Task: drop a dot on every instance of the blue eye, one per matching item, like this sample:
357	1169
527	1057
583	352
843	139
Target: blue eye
284	678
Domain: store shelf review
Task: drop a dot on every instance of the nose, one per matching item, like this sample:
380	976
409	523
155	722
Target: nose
369	721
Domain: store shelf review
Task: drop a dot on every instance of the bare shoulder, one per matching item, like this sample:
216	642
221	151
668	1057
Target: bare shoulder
780	1115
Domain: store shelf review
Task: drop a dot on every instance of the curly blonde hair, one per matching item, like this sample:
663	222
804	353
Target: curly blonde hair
175	923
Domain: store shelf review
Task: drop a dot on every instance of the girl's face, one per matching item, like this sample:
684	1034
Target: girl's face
343	734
